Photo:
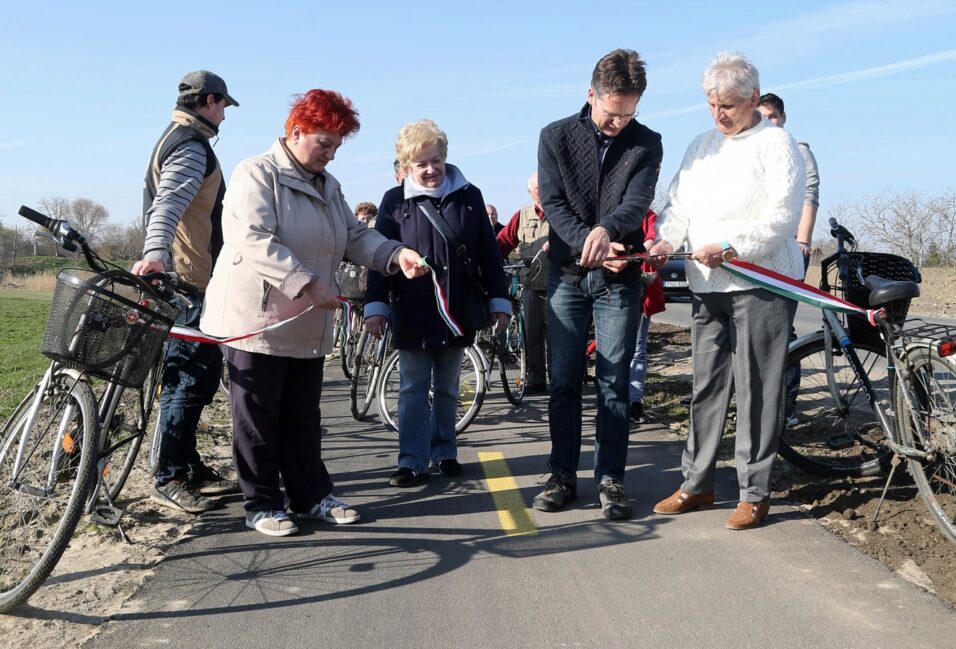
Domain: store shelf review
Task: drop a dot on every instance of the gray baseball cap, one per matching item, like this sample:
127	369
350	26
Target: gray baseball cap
203	82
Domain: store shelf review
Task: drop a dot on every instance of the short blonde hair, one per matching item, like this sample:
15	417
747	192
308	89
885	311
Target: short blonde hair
416	136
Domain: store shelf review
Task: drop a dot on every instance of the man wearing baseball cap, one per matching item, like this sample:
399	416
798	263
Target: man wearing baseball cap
182	211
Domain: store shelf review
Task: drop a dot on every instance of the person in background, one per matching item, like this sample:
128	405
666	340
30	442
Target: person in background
365	212
285	225
771	107
493	218
430	351
597	171
527	231
182	206
399	173
738	193
653	303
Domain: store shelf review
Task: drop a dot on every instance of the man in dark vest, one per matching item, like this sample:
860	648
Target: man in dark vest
182	211
527	231
597	171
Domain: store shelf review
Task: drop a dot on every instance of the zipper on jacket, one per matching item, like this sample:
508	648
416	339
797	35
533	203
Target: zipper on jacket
266	287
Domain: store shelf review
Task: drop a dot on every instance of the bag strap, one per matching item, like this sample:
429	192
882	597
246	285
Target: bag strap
448	234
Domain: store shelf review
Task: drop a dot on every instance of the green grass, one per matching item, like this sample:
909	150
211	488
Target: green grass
23	318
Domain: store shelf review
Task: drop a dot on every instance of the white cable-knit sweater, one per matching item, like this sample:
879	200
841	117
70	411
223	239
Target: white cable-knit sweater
746	189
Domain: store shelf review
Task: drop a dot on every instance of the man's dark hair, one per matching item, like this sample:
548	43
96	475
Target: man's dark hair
620	71
773	101
192	101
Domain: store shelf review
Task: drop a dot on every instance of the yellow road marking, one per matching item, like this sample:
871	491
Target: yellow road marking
514	516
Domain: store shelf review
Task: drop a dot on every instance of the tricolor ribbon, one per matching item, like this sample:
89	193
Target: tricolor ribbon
442	300
196	336
796	290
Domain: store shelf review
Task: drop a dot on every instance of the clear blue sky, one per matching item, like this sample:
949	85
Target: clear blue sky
86	88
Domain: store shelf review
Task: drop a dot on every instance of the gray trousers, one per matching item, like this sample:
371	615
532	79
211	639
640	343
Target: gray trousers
740	339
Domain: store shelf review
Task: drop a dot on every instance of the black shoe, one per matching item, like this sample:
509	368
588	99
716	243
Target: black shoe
536	388
558	491
179	495
637	413
614	503
210	482
406	477
450	467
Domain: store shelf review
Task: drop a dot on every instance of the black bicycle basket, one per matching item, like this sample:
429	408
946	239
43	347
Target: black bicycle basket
108	324
887	266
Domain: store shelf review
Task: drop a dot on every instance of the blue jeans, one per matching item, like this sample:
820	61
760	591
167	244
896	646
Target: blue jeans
639	363
191	374
615	309
426	427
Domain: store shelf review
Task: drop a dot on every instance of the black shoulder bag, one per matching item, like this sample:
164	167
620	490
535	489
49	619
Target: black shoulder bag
476	300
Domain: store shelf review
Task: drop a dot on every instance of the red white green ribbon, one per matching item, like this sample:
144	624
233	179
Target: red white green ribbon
196	336
795	290
442	301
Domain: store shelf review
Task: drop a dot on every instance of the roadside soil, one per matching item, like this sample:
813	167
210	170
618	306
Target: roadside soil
98	573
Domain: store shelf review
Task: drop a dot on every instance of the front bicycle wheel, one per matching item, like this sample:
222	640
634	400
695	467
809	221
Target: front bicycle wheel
829	427
471	390
45	474
364	373
513	360
925	403
124	435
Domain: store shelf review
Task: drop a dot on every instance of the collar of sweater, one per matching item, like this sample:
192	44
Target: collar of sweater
193	119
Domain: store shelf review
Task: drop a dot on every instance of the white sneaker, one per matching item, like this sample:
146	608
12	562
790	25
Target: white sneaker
791	422
271	523
332	510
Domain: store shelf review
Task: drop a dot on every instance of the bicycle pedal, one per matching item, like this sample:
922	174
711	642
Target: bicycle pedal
107	515
840	441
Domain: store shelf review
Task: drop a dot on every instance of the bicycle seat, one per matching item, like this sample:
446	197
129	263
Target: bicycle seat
884	291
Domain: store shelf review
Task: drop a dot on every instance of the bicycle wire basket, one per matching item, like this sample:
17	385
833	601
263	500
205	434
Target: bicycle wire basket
107	324
352	280
887	266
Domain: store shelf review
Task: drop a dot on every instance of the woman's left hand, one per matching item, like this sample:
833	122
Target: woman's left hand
498	320
711	255
411	263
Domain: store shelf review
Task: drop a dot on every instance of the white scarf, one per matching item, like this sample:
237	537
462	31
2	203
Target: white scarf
413	189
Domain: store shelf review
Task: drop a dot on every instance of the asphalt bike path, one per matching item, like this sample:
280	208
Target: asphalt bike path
465	562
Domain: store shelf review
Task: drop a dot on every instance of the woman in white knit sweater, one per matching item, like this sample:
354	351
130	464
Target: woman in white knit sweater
738	193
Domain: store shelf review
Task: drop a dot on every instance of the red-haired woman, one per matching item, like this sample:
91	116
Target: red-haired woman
286	228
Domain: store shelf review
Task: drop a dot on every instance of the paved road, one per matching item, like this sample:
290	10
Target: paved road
432	566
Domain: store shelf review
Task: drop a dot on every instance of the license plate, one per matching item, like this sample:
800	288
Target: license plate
675	284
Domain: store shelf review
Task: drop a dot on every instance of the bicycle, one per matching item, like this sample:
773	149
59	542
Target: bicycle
830	427
472	386
65	451
370	354
915	407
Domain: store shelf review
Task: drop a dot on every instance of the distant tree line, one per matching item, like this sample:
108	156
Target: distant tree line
915	225
20	238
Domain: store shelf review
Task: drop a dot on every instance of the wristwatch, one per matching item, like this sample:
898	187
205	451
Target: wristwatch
727	252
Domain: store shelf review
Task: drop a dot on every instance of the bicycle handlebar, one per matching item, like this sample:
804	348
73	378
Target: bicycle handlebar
69	238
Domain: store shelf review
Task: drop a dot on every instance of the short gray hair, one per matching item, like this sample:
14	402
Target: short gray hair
731	73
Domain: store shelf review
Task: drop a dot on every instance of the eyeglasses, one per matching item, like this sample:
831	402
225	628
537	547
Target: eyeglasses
614	116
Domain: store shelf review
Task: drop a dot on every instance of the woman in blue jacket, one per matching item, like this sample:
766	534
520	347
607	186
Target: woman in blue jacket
431	345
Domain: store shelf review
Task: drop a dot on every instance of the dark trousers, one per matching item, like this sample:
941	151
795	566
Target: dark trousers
535	333
190	379
616	309
276	429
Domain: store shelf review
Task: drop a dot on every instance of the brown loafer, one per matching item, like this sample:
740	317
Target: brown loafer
681	502
748	515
